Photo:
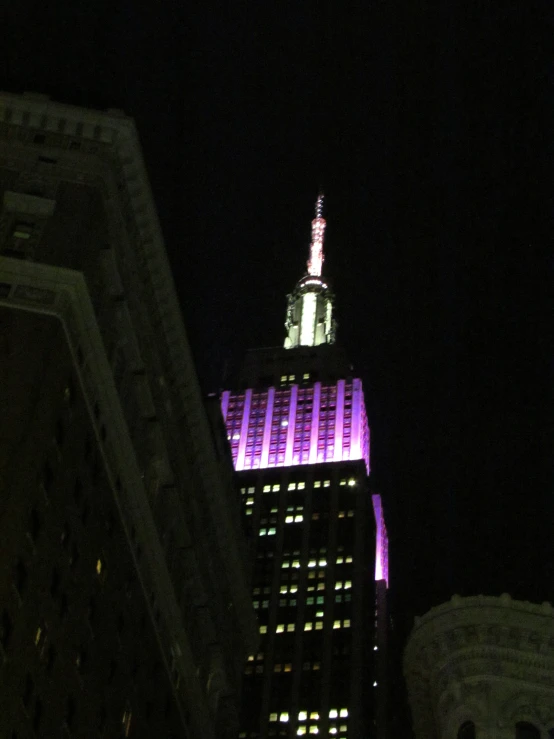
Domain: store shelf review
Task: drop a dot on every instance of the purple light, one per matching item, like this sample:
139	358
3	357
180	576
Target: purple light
282	427
381	542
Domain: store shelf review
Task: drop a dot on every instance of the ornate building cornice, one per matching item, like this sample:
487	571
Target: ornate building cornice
465	657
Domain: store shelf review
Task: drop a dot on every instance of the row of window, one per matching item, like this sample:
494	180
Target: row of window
308	626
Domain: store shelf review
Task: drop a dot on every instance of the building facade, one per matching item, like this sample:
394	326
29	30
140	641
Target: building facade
125	609
482	668
297	425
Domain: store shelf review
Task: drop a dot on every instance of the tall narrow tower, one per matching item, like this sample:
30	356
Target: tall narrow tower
298	430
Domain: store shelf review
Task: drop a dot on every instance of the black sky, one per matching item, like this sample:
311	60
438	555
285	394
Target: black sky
430	128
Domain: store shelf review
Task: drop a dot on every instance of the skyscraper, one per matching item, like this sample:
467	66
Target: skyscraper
124	605
299	436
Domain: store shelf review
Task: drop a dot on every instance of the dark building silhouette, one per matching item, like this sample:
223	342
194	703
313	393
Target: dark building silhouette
299	436
124	602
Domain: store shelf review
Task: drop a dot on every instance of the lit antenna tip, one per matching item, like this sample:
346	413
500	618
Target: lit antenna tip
319	205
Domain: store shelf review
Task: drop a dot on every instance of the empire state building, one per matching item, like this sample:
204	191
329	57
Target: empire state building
299	435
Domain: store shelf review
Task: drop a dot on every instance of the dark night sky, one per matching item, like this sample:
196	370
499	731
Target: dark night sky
431	129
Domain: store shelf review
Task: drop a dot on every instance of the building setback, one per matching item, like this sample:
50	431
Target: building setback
124	605
299	436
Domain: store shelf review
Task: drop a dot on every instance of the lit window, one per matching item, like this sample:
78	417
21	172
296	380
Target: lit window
99	566
343	482
326	483
292	486
333	713
351	482
293	589
267	488
290	627
251	490
301	731
306	376
338	585
251	657
298	519
285	564
319	614
323	563
318	625
375	683
288	667
280	628
376	648
284	423
312	563
301	485
271	532
336	624
249	512
333	730
341	514
314	730
314	716
340	560
302	716
348	584
263	532
283	718
275	488
296	563
308	626
289	519
284	589
291	378
273	717
346	623
263	629
236	437
343	714
348	560
317	484
343	726
249	501
321	586
350	514
126	720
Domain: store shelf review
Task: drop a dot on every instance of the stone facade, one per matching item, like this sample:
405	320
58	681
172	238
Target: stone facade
483	661
112	490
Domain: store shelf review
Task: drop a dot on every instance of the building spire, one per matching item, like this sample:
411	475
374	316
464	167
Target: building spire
315	262
310	320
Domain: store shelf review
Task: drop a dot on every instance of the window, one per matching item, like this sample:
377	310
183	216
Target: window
6	628
126	720
466	730
524	730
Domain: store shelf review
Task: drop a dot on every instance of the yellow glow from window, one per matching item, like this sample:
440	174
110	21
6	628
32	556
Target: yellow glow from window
280	628
302	716
263	629
343	714
99	566
333	713
308	626
38	635
290	627
283	718
273	717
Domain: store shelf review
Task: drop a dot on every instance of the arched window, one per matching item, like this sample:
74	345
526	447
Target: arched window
525	730
467	730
